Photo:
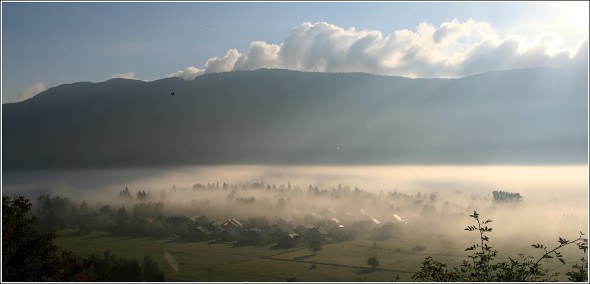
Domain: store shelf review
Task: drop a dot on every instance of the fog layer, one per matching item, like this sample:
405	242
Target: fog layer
534	182
550	193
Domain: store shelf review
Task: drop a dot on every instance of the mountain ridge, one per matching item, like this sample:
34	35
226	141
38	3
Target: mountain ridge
275	116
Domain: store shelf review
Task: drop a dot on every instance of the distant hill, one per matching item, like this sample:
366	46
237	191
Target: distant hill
529	116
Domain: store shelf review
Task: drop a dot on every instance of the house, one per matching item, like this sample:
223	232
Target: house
363	227
340	233
373	219
302	229
288	241
280	229
315	234
327	224
215	228
283	226
400	219
229	235
200	233
195	218
254	236
232	223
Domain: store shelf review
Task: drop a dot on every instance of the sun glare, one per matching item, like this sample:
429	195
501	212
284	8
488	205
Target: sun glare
573	14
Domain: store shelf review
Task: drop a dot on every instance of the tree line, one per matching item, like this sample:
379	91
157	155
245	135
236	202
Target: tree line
31	256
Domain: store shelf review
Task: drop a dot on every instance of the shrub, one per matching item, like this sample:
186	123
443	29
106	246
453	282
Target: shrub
481	267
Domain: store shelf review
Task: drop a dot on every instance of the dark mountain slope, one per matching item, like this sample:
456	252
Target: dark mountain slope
533	116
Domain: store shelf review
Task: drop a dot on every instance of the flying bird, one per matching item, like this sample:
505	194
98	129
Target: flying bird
172	94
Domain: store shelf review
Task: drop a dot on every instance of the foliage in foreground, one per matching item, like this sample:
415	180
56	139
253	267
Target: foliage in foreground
32	257
481	268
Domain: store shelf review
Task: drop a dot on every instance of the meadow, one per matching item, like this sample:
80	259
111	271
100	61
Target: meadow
338	262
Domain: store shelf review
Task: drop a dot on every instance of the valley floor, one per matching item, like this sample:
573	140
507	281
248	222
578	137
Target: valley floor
337	262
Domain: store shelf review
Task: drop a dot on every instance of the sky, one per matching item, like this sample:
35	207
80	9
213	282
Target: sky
46	44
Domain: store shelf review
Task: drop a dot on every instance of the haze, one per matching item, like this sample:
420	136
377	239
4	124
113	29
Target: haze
549	192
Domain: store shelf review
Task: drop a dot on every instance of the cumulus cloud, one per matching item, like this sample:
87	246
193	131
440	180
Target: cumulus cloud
582	53
188	73
453	49
260	55
31	91
223	64
129	75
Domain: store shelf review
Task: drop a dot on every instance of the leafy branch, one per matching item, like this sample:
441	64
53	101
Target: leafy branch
481	268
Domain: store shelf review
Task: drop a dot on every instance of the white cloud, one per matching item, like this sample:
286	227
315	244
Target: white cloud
260	55
222	64
188	73
453	49
582	52
31	91
129	75
511	53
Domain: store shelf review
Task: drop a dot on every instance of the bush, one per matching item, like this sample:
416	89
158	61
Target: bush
481	267
150	271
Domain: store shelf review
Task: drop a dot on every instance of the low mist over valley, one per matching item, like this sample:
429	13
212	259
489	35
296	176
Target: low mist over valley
554	198
397	212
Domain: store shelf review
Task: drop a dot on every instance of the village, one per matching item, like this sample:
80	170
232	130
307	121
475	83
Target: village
287	223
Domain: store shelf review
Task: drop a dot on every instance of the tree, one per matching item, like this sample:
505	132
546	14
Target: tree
32	257
103	268
106	210
83	208
315	246
125	193
26	255
122	215
141	194
505	196
150	270
74	211
126	270
373	262
110	268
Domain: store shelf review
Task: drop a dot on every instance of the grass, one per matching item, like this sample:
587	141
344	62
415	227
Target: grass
201	261
336	262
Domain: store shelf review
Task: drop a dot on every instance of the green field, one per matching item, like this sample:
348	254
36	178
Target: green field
201	261
342	262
